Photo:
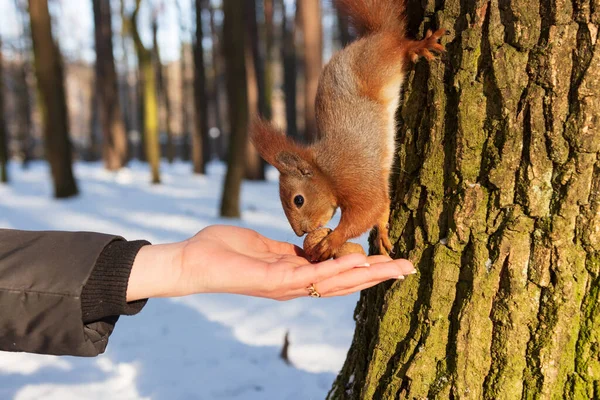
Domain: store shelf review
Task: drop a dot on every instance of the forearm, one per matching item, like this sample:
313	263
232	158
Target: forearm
155	272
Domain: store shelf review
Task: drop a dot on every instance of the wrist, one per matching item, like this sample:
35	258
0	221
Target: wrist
155	272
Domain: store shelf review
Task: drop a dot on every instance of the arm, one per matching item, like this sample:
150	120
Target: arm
42	281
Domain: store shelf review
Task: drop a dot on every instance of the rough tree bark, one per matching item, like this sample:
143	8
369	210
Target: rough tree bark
200	141
50	80
150	100
114	148
496	200
255	79
3	131
312	31
234	31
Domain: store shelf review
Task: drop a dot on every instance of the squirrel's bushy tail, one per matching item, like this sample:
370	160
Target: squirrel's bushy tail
369	16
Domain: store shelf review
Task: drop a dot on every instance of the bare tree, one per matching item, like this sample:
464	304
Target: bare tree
24	99
162	87
200	143
150	98
217	62
3	131
234	31
311	27
255	166
288	55
185	84
114	147
50	79
270	64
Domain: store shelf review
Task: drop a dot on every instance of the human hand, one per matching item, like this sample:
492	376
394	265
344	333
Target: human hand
228	259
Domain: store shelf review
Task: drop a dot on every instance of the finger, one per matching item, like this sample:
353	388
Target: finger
305	275
346	292
284	247
359	276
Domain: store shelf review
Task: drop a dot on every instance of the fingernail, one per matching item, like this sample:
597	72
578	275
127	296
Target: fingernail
414	271
401	277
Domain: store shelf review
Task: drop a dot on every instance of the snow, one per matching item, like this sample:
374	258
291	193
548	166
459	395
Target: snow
197	347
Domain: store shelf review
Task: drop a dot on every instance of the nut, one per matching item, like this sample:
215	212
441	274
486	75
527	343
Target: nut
349	248
314	238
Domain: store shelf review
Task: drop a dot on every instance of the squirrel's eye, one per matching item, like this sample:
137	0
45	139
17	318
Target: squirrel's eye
299	201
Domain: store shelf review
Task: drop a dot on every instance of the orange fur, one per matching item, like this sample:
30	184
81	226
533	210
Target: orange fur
349	164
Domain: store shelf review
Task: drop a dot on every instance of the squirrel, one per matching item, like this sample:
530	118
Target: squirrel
348	165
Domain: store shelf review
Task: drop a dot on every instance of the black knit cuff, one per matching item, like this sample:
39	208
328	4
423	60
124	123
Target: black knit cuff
104	294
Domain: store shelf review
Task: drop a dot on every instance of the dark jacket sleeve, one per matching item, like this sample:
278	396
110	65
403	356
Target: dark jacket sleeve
42	279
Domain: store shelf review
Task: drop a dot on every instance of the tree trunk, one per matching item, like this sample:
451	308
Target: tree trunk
216	89
22	88
163	91
255	166
185	95
50	79
288	55
200	143
3	131
270	63
310	20
114	149
150	99
497	202
234	32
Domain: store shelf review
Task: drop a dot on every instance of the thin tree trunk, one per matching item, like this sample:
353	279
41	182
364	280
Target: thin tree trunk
114	149
288	55
270	64
497	202
200	142
23	97
163	91
216	89
234	32
50	78
150	99
310	19
255	166
3	131
185	95
129	109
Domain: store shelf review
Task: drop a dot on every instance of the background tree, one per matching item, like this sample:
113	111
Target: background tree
200	143
289	60
234	31
217	87
185	84
497	202
50	80
114	147
3	131
162	83
312	31
255	78
150	99
23	115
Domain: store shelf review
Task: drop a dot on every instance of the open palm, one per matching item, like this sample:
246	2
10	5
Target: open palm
229	259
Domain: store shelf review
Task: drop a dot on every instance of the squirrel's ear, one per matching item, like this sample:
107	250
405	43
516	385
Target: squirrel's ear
267	139
293	163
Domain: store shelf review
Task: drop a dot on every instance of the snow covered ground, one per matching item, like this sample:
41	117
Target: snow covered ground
196	347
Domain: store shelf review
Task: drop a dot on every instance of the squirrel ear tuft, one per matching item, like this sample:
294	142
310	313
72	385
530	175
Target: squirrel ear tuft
293	163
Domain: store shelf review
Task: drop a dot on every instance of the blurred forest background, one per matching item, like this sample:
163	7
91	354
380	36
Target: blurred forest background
158	81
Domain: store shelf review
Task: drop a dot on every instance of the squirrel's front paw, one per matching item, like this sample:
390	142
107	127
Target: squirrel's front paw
325	249
424	47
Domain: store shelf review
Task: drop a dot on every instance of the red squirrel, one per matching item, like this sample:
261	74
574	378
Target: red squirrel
348	165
